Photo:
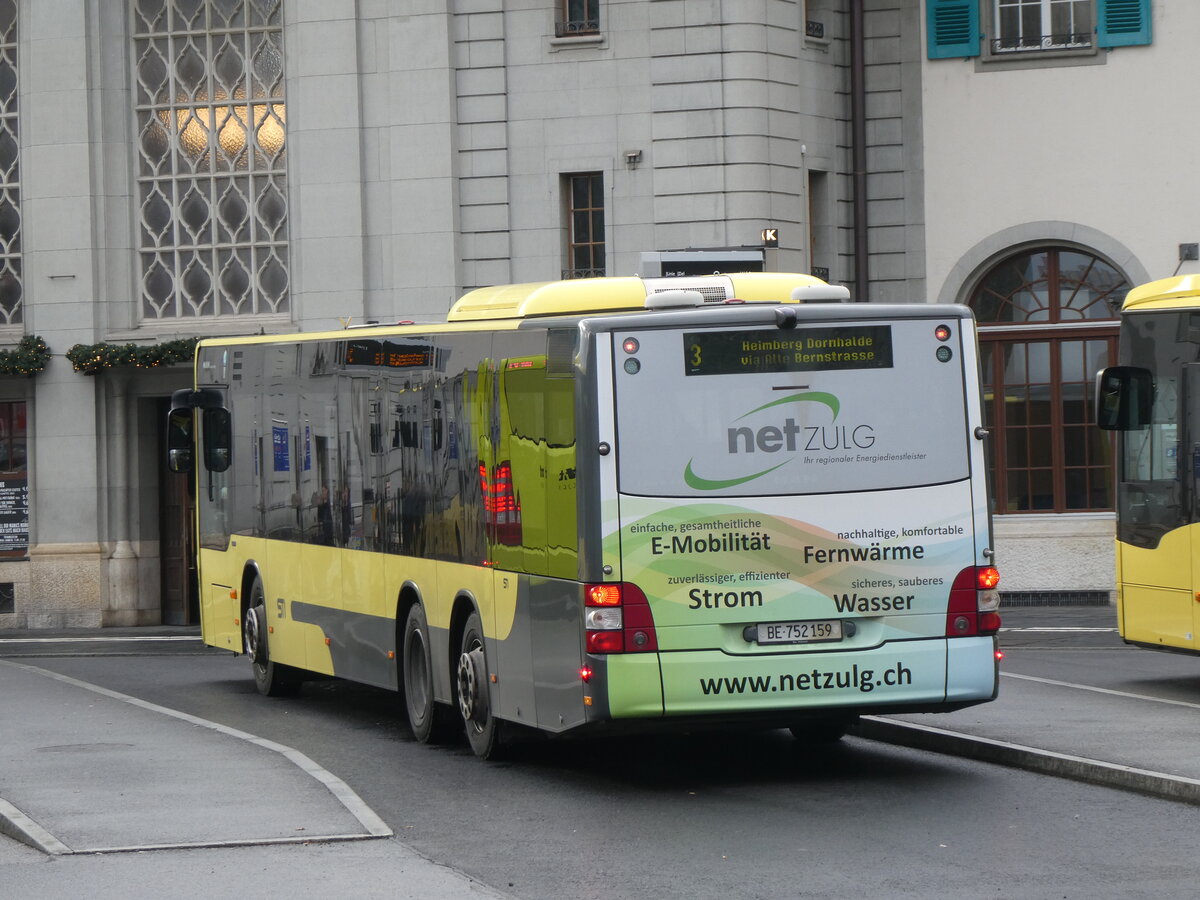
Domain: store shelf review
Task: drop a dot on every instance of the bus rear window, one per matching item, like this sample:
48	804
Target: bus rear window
812	410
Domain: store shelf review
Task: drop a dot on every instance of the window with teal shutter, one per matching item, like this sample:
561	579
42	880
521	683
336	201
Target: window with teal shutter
1123	23
953	28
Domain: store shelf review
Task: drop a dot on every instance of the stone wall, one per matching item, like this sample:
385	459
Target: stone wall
1056	554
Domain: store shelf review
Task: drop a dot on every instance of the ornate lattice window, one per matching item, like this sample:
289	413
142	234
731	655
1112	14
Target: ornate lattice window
11	291
1047	325
212	182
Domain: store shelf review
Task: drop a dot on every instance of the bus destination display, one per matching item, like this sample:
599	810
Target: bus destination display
394	355
802	350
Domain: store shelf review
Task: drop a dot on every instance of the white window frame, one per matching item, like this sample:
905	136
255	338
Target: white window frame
996	46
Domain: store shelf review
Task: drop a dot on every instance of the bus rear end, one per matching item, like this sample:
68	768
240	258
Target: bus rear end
795	522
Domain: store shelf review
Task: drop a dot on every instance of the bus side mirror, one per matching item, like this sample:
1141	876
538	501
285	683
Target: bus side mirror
1124	398
179	441
218	439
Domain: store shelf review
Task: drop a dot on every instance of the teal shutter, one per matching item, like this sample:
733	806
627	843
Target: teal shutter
1123	23
953	28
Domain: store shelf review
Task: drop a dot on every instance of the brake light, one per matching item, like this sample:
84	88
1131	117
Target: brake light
605	642
974	603
617	619
502	493
500	505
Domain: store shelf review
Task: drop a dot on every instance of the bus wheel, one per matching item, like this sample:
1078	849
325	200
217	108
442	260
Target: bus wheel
484	731
431	722
272	679
822	731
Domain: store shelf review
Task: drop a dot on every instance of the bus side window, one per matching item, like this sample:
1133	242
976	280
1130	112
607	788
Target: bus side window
179	441
1124	398
218	440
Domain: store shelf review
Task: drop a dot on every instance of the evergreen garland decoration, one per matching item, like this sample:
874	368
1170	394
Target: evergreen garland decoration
93	358
28	359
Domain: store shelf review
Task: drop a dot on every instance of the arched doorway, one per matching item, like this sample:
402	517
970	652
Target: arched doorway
1047	320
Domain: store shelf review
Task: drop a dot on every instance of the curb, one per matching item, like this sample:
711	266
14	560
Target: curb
1046	762
18	826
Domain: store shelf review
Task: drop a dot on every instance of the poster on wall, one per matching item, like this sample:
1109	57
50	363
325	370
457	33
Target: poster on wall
14	515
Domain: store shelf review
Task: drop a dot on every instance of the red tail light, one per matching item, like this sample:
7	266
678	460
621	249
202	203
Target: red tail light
500	506
504	500
974	602
617	619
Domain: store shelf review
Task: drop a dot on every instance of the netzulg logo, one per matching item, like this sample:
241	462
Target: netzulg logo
789	437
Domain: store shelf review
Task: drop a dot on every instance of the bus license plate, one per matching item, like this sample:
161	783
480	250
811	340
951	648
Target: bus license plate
800	632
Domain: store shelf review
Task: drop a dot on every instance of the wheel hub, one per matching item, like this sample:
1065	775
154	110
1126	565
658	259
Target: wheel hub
252	635
472	701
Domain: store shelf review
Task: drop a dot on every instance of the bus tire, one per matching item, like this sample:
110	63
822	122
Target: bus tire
484	731
431	722
271	678
822	731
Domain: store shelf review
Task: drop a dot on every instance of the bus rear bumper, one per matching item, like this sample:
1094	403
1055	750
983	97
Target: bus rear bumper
972	669
909	674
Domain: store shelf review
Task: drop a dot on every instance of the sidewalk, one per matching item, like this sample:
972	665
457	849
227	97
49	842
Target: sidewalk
84	770
1121	738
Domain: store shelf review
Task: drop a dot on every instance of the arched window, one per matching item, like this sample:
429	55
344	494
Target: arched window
1047	322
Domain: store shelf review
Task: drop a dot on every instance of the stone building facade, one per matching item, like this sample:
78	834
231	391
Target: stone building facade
171	169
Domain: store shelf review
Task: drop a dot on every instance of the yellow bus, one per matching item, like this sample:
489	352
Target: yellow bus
1151	401
603	505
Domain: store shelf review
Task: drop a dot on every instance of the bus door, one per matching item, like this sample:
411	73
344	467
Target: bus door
203	416
286	464
315	464
363	489
1156	490
1189	477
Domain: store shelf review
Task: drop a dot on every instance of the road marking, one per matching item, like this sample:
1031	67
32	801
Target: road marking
1100	690
149	638
1064	629
374	826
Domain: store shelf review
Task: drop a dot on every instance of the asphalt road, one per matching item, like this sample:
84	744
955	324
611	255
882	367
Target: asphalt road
696	816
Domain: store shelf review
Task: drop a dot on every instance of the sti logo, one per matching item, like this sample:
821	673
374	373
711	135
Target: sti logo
788	437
